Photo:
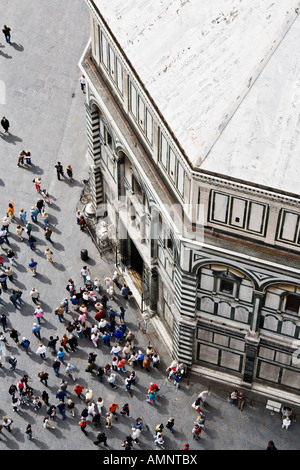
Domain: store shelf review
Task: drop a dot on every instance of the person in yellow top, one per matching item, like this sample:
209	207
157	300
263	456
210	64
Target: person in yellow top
11	209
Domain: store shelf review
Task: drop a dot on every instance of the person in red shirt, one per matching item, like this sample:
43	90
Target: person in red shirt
78	390
153	387
112	408
82	423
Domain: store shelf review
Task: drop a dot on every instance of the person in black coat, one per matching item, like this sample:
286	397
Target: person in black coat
6	31
5	124
101	437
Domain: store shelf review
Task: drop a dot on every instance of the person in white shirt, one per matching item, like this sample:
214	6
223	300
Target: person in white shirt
111	380
82	83
115	349
286	423
135	435
102	324
203	396
84	273
34	294
100	404
41	350
91	408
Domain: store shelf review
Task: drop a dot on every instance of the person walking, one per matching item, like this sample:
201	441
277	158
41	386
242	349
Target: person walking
73	343
34	212
82	424
38	314
59	170
36	330
21	158
82	83
43	376
11	210
11	256
7	33
159	441
45	218
78	390
125	410
40	205
64	341
47	234
151	397
59	311
14	335
25	343
35	295
28	228
52	344
49	255
41	350
69	171
16	403
4	235
47	423
37	183
69	371
62	409
111	380
13	298
203	397
9	273
84	273
6	423
128	384
71	407
135	435
5	223
5	124
108	420
3	280
196	431
27	157
60	355
19	232
99	405
3	321
56	366
146	364
23	216
28	432
101	437
46	196
31	242
45	397
37	404
170	424
113	409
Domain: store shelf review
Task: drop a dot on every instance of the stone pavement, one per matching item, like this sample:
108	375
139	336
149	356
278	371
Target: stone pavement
45	107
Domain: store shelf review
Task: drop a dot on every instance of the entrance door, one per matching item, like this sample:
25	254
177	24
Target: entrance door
136	266
137	263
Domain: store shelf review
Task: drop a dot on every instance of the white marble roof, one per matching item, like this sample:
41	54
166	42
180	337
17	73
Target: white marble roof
225	76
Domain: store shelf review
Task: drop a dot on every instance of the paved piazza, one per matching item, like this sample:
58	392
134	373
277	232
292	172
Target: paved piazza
40	96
